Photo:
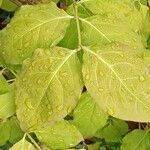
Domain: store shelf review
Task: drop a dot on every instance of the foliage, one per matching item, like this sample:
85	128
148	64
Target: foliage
72	76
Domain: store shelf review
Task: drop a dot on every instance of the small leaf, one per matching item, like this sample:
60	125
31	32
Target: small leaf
15	131
62	135
8	5
29	30
88	116
94	146
7	105
4	132
114	131
70	39
136	140
23	145
48	87
4	87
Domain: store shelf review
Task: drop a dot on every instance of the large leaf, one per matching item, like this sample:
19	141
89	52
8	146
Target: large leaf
88	116
136	140
48	87
114	131
118	79
62	135
29	30
23	145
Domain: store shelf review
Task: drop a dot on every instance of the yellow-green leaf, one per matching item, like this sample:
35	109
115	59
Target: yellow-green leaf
118	79
48	87
62	135
88	116
32	27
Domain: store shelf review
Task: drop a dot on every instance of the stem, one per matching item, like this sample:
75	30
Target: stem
33	141
11	80
16	2
78	25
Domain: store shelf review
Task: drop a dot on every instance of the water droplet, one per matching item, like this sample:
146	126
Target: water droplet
87	77
49	106
26	44
122	55
24	79
29	105
101	74
39	81
59	107
142	78
100	89
110	111
33	64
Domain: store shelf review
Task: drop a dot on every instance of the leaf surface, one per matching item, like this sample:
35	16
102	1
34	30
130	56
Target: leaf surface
62	135
4	87
88	116
114	131
4	132
16	133
136	140
23	145
48	87
8	5
123	93
7	105
29	30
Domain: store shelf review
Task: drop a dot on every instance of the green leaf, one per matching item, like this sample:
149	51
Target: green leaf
16	133
120	92
23	145
88	116
62	135
7	105
95	146
8	5
29	30
70	39
4	132
4	87
136	140
114	131
48	87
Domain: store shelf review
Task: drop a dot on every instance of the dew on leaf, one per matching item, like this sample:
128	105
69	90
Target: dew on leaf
142	78
59	107
28	104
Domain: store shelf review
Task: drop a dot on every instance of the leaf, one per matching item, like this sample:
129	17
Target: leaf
95	146
122	93
88	116
29	30
23	145
8	5
106	30
62	135
7	105
15	131
114	131
48	87
4	87
124	10
136	140
4	132
70	39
